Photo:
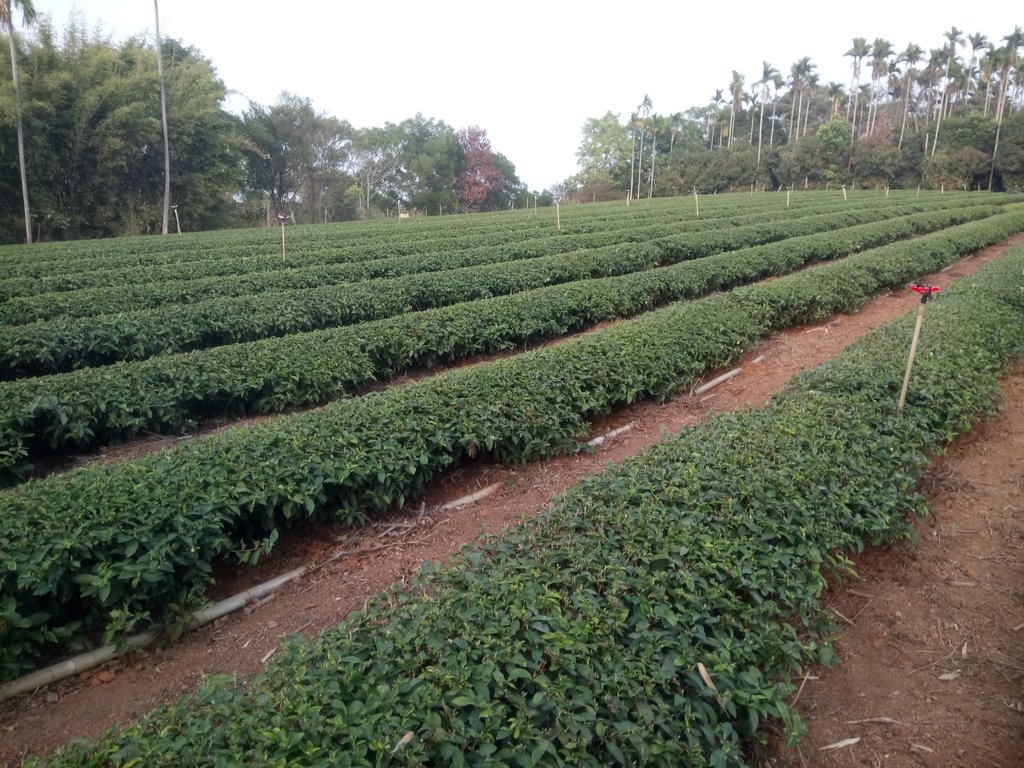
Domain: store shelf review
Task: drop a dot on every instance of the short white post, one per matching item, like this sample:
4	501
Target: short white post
281	217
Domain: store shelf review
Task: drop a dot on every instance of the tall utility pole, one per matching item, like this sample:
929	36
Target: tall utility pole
163	114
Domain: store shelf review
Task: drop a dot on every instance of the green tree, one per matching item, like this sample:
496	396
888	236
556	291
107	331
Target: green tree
430	158
834	141
990	63
603	152
510	191
93	131
296	158
1011	159
375	161
877	163
956	168
28	15
799	163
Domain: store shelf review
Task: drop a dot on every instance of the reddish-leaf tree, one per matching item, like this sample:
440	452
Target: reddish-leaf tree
480	176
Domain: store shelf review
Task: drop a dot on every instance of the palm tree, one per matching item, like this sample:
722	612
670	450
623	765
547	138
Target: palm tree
28	15
654	151
954	38
990	63
163	115
645	110
836	91
805	77
736	91
881	50
750	100
632	153
777	82
1014	40
858	53
929	77
978	42
799	73
812	86
676	121
768	75
912	55
713	108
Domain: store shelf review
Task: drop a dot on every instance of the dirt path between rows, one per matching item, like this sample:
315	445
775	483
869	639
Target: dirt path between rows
390	550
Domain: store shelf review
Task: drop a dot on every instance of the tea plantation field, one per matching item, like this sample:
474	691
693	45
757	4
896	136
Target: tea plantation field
655	615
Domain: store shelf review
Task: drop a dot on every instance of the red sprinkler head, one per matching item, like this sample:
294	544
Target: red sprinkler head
924	290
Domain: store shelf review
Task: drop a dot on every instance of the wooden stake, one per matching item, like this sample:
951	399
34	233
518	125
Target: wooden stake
696	202
558	216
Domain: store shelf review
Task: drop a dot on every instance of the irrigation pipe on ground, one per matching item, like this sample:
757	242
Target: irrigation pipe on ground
86	661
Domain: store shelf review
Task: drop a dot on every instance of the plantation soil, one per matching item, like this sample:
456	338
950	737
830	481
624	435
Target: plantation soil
931	633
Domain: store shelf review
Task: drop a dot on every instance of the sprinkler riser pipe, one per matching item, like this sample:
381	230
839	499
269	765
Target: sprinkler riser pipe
910	359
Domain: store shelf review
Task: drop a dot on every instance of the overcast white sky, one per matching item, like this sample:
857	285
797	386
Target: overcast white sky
529	72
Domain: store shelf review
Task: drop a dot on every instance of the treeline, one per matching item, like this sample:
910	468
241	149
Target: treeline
90	109
94	149
947	118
